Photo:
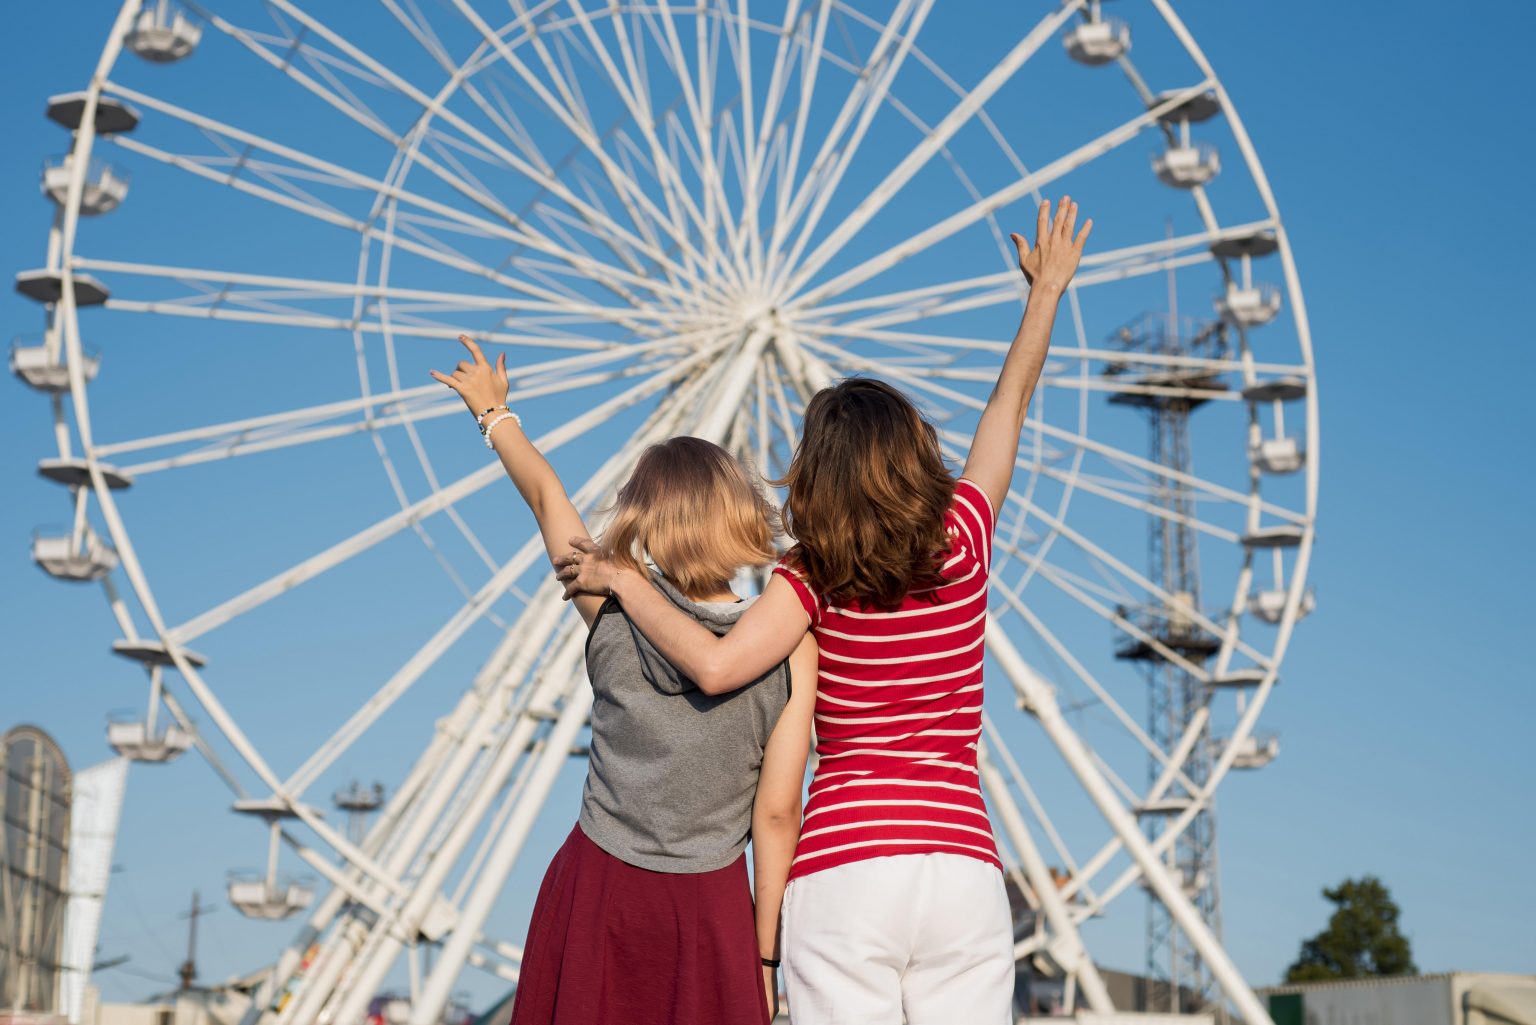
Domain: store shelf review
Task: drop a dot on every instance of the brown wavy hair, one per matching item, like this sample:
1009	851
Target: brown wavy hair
691	509
868	490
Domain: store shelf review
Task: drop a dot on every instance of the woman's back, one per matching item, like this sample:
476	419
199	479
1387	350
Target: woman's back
898	713
672	770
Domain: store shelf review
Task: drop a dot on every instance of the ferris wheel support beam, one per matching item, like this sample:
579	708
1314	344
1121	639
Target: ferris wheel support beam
1040	702
1067	946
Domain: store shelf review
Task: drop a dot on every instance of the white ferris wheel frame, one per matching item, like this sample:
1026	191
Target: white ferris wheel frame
385	895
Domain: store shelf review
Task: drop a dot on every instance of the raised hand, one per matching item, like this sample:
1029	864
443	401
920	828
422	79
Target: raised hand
586	569
1052	260
479	384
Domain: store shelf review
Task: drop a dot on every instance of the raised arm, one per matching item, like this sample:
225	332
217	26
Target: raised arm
765	635
483	388
1048	266
776	809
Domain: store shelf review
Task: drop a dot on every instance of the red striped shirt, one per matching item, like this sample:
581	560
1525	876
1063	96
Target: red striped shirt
898	713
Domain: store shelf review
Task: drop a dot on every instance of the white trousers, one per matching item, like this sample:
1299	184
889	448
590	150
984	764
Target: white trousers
927	936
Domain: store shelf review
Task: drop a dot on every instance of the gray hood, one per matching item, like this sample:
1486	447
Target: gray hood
661	674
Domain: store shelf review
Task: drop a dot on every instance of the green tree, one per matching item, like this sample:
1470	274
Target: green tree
1362	937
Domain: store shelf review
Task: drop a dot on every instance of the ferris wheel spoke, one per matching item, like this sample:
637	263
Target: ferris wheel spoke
521	234
792	269
451	494
941	230
673	195
917	341
616	236
600	482
870	84
224	283
1109	452
428	246
1105	698
1141	588
698	98
634	92
393	414
876	199
758	152
1004	287
635	199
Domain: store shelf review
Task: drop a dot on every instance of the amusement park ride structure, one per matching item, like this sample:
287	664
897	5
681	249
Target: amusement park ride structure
665	230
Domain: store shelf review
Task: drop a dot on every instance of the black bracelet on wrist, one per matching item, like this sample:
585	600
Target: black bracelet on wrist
769	962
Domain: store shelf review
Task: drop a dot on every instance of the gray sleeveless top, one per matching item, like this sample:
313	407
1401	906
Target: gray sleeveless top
672	771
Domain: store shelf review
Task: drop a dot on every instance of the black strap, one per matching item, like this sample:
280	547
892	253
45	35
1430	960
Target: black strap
769	962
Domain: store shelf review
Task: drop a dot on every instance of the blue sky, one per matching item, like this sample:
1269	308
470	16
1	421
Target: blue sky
1392	144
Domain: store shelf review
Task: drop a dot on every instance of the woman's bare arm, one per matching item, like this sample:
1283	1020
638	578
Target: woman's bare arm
1049	266
483	386
776	808
765	635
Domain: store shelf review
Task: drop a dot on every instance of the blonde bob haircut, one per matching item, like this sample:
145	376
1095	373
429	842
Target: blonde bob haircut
691	509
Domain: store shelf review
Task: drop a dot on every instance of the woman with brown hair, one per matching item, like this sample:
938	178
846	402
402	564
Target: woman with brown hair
895	905
645	915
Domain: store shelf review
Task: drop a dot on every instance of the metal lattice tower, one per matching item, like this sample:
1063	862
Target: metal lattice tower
1177	703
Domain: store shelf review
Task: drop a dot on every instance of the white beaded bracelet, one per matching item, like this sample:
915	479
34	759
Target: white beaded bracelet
509	415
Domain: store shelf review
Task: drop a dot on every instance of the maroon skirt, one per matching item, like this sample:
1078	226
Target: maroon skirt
613	943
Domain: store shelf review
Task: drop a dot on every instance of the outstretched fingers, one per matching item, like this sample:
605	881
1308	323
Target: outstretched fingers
1082	236
474	350
1043	222
445	379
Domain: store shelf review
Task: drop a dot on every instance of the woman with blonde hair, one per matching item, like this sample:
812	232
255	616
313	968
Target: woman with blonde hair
645	915
895	908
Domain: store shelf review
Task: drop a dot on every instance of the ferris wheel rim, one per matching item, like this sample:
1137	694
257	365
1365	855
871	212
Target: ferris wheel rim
178	656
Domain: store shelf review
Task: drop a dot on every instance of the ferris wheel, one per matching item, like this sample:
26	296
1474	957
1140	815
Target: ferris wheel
675	218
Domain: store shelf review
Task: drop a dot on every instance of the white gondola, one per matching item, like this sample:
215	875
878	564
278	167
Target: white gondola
269	895
1269	605
45	371
76	473
1239	678
1098	42
61	558
1285	535
112	115
270	900
103	189
47	286
1186	166
1192	110
1253	306
133	740
1256	752
162	33
153	653
1277	455
1276	389
1164	806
